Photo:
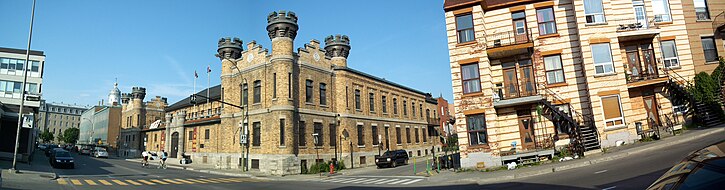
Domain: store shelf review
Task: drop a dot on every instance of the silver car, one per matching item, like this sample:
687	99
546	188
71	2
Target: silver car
100	153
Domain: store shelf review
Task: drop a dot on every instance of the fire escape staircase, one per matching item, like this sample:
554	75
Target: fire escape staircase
700	111
581	131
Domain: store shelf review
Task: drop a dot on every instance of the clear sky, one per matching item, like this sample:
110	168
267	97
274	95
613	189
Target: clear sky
158	44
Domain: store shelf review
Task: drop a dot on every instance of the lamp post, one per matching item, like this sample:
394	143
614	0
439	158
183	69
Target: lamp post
22	96
244	128
337	128
93	128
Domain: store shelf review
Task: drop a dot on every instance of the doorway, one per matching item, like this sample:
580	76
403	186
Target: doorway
650	106
520	30
518	78
641	61
174	144
387	138
526	129
640	14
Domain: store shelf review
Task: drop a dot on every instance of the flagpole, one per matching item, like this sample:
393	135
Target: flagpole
208	82
194	93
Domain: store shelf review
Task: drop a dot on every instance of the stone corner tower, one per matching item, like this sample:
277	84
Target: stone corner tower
282	29
337	48
229	48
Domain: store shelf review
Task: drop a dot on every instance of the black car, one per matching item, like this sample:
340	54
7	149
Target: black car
392	158
703	169
61	158
49	149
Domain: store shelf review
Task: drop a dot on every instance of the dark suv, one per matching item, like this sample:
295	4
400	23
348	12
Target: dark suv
392	158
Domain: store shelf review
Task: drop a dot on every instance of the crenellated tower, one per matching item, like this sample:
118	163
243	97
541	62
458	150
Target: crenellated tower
282	29
229	48
337	48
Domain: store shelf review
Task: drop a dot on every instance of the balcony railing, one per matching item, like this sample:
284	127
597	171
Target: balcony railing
631	24
718	21
433	121
642	73
509	38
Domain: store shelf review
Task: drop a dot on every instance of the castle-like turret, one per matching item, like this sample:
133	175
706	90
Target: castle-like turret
229	48
337	48
282	30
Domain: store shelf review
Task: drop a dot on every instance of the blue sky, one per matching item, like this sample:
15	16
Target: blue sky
159	44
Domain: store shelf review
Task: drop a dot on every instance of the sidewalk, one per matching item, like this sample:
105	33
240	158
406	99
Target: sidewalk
611	155
34	175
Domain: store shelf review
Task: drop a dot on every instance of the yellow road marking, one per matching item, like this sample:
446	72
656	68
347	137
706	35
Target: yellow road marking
61	181
230	179
197	181
104	182
172	181
90	182
187	182
213	180
119	182
159	182
132	182
76	182
146	182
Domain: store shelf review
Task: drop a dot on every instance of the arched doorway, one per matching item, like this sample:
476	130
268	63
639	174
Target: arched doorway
174	144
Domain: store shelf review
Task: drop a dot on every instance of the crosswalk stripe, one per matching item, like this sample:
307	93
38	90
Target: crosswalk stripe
197	181
385	181
335	180
350	180
206	180
411	181
184	181
146	182
172	181
214	180
104	182
119	182
159	182
132	182
399	181
230	179
62	181
76	182
236	180
90	182
375	181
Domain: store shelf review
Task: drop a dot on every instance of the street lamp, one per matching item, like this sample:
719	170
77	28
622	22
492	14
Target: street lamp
22	96
245	125
93	129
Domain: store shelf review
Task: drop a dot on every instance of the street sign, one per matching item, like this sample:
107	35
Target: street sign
315	137
28	121
243	139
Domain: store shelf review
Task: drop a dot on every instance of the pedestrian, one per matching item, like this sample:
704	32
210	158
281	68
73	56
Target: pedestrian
163	159
145	158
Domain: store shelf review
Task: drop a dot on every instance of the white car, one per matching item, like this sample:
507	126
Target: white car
100	153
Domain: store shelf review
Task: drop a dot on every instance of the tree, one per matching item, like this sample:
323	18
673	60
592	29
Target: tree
46	136
59	138
71	135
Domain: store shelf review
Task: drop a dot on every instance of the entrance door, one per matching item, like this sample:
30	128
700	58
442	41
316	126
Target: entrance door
648	58
526	129
174	144
511	82
650	106
387	138
526	73
633	61
520	31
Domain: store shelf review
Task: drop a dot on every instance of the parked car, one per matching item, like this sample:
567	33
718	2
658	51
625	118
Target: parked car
86	150
392	158
61	158
42	147
100	153
49	149
703	169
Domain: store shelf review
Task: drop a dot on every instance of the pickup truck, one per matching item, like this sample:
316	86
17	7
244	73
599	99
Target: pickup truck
392	158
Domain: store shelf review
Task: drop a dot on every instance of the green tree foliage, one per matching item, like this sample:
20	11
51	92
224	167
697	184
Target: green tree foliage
706	88
46	136
70	136
59	138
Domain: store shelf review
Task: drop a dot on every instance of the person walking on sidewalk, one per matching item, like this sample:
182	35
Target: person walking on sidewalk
163	159
145	161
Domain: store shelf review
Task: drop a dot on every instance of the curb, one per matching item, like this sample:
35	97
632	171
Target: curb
606	158
205	171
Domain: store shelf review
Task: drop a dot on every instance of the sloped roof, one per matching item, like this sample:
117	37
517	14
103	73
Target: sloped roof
215	93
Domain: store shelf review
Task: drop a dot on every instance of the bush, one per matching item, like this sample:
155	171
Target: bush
319	167
340	166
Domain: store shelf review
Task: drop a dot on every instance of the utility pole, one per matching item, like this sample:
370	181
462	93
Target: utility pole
22	96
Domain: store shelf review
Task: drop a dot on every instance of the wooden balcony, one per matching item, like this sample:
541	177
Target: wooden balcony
504	44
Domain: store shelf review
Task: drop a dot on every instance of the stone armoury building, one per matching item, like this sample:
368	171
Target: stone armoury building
137	116
302	104
532	75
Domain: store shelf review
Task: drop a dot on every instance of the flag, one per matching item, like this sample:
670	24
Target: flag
196	75
208	69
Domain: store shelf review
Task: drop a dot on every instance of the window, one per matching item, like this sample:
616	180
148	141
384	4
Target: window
301	134
281	132
545	18
376	141
471	81
357	99
424	137
558	125
412	108
554	69
405	108
395	106
708	45
417	136
385	106
35	66
191	135
669	54
661	9
245	94
602	55
323	94
594	11
318	131
289	85
398	135
464	27
612	111
206	134
701	10
372	102
308	91
407	134
360	135
420	110
274	85
476	125
333	134
257	91
255	163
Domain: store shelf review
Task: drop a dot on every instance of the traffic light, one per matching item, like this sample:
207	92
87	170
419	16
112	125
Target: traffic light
192	100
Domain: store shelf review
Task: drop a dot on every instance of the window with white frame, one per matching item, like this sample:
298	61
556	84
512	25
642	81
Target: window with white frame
701	10
661	9
602	55
669	54
594	11
612	109
554	69
464	28
471	78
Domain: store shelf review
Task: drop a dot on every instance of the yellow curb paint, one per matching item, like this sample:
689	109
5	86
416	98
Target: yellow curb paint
146	182
90	182
62	181
197	181
159	182
132	182
104	182
184	181
76	182
119	182
172	181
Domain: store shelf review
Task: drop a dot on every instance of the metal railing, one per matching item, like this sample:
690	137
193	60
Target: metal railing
502	39
631	24
642	73
433	120
718	21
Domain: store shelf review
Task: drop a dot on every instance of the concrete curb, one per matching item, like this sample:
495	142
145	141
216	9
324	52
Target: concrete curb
205	171
604	158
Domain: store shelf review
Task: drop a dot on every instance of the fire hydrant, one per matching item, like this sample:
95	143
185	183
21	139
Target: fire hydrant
332	168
